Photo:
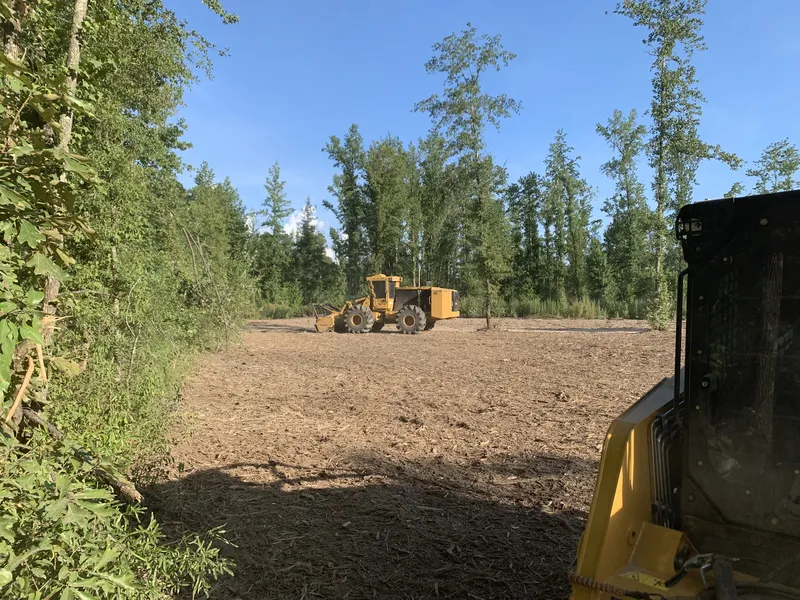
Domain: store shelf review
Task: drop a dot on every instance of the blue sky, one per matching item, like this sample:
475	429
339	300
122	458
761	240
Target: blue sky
300	72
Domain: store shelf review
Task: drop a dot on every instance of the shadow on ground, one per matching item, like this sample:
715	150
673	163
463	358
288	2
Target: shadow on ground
584	329
277	326
380	529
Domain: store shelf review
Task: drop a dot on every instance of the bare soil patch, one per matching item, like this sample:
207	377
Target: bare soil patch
455	464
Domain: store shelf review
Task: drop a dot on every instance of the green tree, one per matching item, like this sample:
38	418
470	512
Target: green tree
776	169
598	279
626	235
388	189
566	214
737	189
443	201
159	274
674	149
462	114
524	200
274	245
352	244
316	274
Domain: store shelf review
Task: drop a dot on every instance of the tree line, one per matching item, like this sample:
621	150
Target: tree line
113	276
441	210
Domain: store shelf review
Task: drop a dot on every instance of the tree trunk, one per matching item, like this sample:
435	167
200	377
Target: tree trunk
772	284
487	305
73	62
12	29
53	286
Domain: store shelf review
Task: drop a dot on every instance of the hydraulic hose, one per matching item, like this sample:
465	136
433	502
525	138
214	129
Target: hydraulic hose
724	584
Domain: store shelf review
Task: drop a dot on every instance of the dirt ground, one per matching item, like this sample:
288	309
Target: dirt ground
454	464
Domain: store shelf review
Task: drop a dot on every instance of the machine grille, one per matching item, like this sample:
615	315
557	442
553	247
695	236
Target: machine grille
665	440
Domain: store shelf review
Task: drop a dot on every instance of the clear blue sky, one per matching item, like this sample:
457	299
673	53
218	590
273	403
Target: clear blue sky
299	72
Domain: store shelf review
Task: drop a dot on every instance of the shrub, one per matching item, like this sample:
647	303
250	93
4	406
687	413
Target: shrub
63	535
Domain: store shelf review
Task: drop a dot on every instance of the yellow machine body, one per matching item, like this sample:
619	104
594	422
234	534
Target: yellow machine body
621	547
698	488
413	308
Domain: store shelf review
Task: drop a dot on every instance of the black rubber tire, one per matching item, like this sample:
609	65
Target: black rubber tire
359	319
429	325
378	326
411	319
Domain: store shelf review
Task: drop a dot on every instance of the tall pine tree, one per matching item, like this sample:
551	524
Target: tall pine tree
776	169
315	273
352	244
273	246
628	254
674	149
462	114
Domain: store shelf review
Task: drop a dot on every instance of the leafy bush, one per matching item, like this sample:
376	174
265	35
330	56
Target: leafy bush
62	535
280	311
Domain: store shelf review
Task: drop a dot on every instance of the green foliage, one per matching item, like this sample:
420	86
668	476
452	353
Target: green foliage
464	110
674	149
534	307
35	207
462	114
161	274
628	256
776	168
316	274
352	245
63	535
273	246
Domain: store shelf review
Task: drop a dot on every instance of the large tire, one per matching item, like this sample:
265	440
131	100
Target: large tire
411	319
429	325
359	319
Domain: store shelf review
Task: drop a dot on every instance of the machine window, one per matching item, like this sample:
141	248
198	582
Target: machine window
380	289
392	288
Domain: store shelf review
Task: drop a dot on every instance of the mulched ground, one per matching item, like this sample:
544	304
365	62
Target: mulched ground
454	464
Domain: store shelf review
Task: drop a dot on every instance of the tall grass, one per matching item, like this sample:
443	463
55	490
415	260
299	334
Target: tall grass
531	307
284	311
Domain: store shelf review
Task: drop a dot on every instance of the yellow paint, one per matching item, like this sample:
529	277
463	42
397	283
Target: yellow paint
619	537
644	578
383	306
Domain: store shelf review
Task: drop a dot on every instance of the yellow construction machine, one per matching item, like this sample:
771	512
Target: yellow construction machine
413	309
698	491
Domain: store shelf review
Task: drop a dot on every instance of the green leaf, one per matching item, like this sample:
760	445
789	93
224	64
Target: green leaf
29	234
12	197
33	297
62	483
5	577
8	230
65	366
56	509
76	166
84	596
98	508
65	258
5	377
67	594
6	531
29	333
7	307
110	554
44	266
124	582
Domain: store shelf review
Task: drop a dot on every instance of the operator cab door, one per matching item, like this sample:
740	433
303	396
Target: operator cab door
382	294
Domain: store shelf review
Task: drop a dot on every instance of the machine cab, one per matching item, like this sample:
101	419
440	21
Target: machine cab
382	290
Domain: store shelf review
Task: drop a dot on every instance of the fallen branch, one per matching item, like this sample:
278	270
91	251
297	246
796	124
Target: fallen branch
20	392
42	370
126	491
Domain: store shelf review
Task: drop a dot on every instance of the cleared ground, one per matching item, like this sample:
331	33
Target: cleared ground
454	464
